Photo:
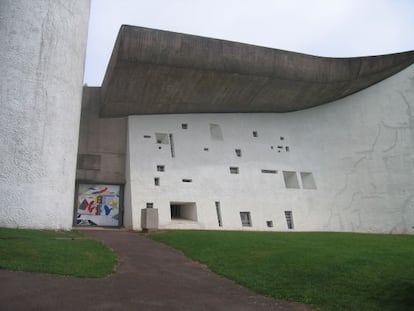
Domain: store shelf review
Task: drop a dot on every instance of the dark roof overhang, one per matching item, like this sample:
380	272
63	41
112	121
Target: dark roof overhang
160	72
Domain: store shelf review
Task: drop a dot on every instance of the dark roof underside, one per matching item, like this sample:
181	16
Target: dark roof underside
157	72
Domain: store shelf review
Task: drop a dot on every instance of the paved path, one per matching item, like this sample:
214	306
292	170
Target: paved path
150	276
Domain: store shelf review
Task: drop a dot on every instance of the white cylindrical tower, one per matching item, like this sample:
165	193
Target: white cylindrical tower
42	54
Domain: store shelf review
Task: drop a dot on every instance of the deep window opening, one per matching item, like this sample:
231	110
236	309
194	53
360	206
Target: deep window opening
255	134
184	126
161	138
215	132
183	210
308	182
187	180
234	170
245	219
269	223
160	168
150	205
291	180
238	152
156	181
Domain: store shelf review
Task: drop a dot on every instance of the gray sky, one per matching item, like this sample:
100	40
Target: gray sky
335	28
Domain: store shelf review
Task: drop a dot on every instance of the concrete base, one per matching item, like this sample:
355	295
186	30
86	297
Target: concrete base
149	219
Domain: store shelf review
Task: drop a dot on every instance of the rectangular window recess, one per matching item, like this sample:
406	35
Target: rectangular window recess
269	171
156	181
255	134
218	211
205	149
184	126
280	147
245	219
289	219
147	136
287	148
160	168
161	138
172	146
291	180
308	182
282	138
150	205
187	180
234	170
215	132
238	152
269	223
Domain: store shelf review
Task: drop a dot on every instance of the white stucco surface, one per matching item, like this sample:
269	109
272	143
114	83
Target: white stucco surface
360	151
42	52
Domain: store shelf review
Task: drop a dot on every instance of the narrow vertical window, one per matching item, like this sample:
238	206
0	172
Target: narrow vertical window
238	152
172	146
255	134
218	211
156	181
289	219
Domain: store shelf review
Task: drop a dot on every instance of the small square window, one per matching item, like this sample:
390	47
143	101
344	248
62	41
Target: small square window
238	152
234	170
150	205
245	219
255	134
184	126
269	223
287	148
282	138
205	149
160	168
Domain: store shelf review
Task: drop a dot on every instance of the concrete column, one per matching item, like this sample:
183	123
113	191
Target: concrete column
42	54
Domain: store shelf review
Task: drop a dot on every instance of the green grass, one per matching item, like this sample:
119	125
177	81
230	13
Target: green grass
332	271
55	252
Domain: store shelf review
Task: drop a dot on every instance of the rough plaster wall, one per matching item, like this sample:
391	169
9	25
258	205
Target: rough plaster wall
360	150
42	52
102	137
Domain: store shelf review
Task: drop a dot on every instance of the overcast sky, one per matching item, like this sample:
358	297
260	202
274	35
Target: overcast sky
335	28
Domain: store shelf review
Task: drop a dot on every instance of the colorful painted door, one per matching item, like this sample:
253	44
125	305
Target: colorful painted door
98	205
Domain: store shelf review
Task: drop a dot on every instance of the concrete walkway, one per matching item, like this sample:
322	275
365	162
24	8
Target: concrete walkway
150	276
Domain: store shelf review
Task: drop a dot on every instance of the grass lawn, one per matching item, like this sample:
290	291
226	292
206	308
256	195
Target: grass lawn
56	252
332	271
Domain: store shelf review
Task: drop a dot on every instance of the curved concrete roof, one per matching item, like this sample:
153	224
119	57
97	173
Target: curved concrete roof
155	72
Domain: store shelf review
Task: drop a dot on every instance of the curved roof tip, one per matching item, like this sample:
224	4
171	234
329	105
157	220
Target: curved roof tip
156	72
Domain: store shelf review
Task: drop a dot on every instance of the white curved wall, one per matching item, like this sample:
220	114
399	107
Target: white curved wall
42	52
360	150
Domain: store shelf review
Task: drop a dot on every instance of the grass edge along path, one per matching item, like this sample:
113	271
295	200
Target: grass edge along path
331	271
66	253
